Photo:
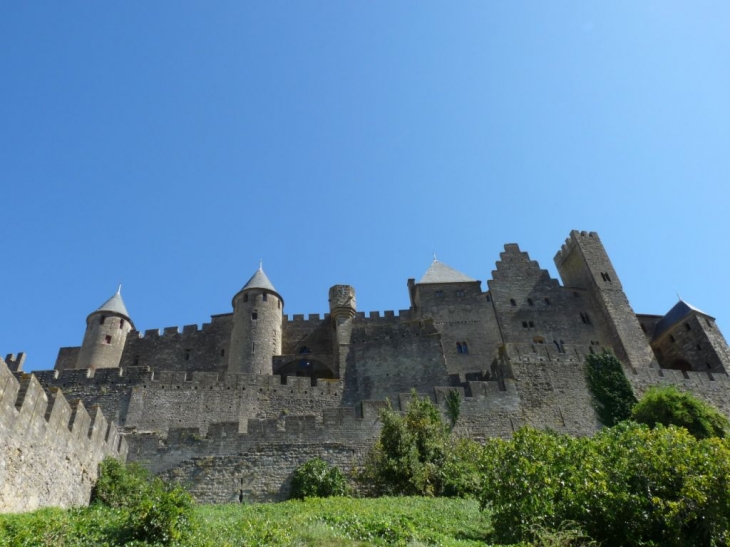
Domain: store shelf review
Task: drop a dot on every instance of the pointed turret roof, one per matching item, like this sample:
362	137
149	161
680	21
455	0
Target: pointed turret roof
115	305
441	273
680	310
259	280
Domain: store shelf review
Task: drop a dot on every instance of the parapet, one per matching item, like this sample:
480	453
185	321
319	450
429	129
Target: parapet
570	243
14	362
26	411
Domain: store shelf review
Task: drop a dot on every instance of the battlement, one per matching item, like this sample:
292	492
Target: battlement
570	243
26	410
60	444
299	318
14	362
690	379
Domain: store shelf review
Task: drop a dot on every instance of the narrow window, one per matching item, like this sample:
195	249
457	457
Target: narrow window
512	301
187	355
102	319
121	323
254	316
265	296
223	353
253	347
606	277
464	347
136	360
439	294
687	326
278	303
547	301
532	325
459	349
108	339
459	293
489	297
524	324
245	298
530	302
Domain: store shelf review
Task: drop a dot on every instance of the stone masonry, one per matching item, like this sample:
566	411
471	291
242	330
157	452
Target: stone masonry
232	408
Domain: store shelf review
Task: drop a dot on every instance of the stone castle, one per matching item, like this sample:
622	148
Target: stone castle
230	409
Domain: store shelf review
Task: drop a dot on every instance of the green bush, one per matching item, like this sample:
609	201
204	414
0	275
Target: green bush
629	485
667	405
317	479
610	387
408	457
153	511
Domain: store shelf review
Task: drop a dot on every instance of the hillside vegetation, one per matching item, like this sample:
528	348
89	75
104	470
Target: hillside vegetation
331	522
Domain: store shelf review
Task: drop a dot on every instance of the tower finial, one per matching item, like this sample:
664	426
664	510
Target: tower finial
679	297
119	289
434	255
261	263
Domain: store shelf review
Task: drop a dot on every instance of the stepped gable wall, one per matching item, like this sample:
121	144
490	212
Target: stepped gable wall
49	450
393	356
177	399
531	307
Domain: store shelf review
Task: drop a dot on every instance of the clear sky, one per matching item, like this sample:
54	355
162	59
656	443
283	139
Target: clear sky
171	145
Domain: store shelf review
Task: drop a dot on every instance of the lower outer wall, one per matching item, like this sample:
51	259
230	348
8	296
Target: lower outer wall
36	475
260	474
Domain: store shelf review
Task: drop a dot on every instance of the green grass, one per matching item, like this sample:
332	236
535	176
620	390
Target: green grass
331	522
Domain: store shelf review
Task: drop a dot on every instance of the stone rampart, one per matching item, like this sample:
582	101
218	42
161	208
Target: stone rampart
49	449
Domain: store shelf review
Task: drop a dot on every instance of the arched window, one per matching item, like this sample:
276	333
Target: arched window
102	319
265	297
245	298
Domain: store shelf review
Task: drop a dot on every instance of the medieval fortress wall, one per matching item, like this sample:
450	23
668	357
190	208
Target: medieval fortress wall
50	449
233	407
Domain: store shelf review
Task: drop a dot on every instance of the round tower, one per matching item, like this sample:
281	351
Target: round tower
106	334
342	303
256	333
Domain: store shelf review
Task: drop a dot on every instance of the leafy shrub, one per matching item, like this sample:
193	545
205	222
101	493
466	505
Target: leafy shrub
317	479
629	485
153	511
667	405
408	457
610	387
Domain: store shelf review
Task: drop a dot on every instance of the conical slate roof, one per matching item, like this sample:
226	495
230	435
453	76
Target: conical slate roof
259	281
441	273
115	305
680	310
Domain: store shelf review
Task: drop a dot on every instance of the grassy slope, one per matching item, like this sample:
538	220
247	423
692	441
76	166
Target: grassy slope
332	522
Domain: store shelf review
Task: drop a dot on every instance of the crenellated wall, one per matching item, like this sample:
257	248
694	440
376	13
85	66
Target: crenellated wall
49	449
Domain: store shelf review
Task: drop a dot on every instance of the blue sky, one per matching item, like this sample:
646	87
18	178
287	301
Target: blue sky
171	145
